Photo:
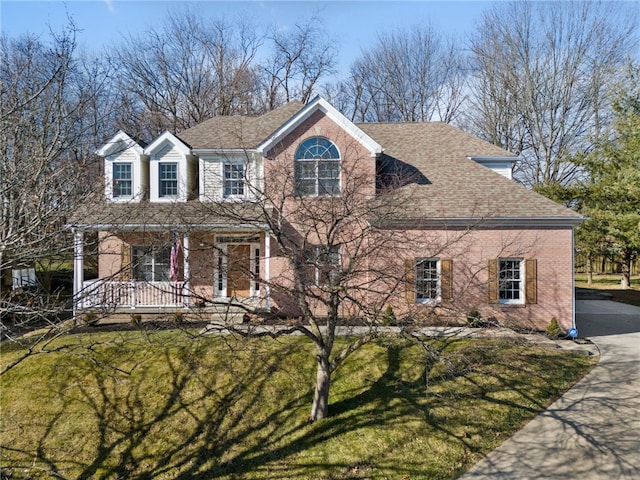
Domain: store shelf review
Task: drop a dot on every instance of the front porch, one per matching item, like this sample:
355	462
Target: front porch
159	273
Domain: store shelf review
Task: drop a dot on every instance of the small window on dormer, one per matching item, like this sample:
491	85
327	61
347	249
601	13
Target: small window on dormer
233	179
168	178
122	180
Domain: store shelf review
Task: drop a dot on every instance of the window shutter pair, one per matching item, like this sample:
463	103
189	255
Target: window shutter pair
530	281
446	279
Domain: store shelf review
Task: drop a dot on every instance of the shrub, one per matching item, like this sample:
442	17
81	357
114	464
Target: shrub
389	317
90	318
178	318
474	318
553	329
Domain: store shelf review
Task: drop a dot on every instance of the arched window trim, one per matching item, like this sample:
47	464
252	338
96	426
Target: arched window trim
317	174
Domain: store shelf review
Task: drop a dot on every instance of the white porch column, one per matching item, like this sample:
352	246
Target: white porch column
267	270
78	268
185	267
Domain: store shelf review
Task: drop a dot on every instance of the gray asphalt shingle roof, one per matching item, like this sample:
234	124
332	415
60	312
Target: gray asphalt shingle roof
445	183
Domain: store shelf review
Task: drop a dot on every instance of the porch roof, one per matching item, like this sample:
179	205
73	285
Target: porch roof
181	216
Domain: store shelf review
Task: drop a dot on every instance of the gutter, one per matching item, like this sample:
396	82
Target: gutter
479	223
164	227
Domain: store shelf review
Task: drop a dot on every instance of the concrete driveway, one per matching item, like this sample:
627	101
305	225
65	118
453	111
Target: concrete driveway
593	430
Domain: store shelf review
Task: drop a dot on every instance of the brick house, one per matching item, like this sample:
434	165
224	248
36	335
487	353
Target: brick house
223	214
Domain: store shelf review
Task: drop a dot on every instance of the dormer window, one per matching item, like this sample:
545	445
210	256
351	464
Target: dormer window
317	168
233	182
122	180
126	169
168	180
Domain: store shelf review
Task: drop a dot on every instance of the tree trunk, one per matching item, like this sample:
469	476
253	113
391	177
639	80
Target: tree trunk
625	279
589	269
320	406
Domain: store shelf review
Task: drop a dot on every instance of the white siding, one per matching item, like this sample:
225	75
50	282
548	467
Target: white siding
139	174
168	153
212	171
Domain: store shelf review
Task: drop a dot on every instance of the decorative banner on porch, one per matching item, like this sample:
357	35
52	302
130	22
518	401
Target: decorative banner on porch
173	268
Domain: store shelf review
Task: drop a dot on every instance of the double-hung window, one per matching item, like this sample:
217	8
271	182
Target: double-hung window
317	168
233	179
151	263
510	280
168	179
122	180
427	277
328	265
428	280
324	265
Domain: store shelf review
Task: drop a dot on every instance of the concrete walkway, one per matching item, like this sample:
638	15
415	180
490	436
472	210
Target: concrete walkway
593	431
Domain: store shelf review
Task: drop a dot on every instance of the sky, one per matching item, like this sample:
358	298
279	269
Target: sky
353	25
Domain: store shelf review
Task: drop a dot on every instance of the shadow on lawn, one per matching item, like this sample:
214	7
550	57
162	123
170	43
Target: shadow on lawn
205	425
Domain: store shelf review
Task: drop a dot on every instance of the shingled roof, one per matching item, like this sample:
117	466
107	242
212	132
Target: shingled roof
447	185
104	215
237	132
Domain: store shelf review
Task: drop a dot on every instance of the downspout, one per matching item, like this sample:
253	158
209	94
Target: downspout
573	279
267	267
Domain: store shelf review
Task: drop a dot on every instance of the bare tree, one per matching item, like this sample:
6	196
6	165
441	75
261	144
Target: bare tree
185	71
48	116
300	59
408	75
542	74
334	259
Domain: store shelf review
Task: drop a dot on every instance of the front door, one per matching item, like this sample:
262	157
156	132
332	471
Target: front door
238	270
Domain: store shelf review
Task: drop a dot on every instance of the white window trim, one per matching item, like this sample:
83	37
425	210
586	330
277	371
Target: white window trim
521	289
317	275
155	250
120	198
245	180
317	178
438	281
159	180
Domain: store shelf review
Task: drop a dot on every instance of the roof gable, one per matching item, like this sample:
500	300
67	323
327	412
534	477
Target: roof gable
119	142
320	104
163	140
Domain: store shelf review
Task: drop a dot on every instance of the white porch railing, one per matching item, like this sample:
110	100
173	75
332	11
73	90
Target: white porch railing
105	294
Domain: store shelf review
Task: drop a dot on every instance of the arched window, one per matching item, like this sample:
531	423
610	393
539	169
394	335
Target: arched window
317	168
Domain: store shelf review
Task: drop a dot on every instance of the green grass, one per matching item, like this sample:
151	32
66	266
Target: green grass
169	405
611	285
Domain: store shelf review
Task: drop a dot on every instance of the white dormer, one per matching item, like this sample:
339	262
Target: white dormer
229	175
501	165
126	172
172	170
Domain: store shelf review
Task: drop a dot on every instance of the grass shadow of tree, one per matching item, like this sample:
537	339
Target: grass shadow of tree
189	420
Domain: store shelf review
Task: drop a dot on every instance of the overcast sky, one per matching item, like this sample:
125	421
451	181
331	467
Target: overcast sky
353	24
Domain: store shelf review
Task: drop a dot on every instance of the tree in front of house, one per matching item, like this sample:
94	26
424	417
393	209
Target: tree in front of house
330	260
611	196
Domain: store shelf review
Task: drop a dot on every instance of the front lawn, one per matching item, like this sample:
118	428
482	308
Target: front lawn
168	404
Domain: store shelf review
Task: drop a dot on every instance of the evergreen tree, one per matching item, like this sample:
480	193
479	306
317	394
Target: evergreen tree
611	196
